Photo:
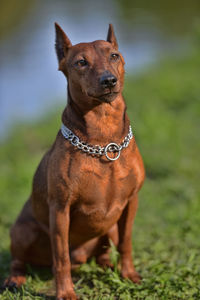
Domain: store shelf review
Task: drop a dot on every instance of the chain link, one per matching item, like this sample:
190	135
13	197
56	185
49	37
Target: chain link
97	149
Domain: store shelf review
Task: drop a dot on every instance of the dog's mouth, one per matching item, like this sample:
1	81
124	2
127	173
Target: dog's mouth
106	97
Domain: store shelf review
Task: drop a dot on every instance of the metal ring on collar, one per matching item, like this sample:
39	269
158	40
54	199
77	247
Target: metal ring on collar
116	148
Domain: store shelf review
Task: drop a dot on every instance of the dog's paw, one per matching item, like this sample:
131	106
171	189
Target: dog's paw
14	282
132	275
104	261
70	295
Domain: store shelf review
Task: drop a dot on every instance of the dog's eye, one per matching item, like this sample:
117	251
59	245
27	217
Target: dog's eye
114	56
82	63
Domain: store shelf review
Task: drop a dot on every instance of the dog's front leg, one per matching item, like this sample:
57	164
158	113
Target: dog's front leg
125	224
59	232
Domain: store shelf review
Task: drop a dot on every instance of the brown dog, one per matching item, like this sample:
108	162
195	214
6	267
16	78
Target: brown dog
83	195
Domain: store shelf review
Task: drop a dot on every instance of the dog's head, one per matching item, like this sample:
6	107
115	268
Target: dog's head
95	71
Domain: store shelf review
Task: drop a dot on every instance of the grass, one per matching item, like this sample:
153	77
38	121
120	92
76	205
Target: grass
164	106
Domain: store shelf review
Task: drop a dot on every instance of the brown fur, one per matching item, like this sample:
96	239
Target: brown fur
79	202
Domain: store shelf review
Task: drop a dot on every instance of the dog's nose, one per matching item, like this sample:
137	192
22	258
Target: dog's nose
108	80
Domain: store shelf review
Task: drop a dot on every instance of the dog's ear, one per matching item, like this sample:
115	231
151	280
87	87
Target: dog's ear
111	38
63	43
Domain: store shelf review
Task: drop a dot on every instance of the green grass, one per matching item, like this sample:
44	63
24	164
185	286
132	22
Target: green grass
164	107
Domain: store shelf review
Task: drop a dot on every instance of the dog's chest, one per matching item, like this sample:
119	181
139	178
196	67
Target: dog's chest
103	193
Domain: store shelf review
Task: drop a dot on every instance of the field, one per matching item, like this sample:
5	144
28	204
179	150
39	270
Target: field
164	108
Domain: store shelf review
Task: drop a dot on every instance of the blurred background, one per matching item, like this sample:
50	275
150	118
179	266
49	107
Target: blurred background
160	41
30	83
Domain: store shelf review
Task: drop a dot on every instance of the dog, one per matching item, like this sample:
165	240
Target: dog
85	189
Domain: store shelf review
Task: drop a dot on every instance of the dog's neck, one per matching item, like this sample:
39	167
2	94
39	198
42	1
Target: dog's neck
101	124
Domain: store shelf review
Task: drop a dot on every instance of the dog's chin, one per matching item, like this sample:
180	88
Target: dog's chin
107	98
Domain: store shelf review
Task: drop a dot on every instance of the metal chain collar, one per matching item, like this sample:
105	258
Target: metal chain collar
97	149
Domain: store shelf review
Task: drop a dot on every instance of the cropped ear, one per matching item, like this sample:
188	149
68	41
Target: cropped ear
111	38
63	43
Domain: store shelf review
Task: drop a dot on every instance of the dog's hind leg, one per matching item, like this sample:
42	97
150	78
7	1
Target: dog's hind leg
103	247
98	247
17	275
25	246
